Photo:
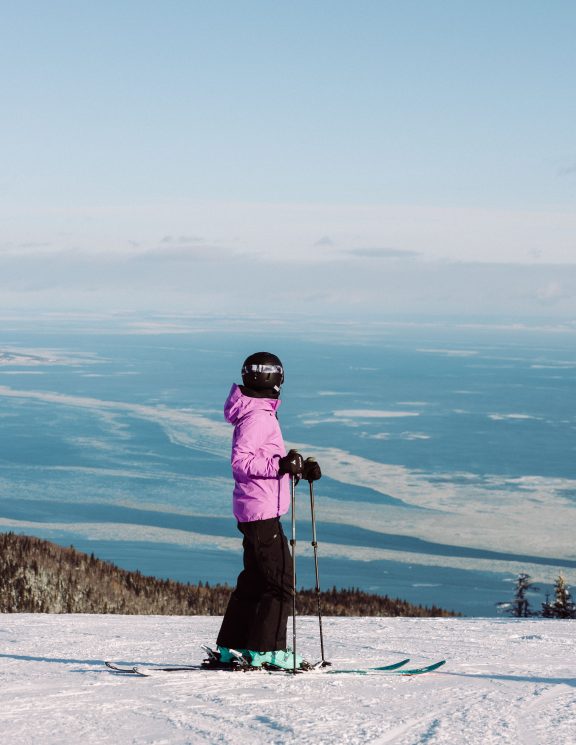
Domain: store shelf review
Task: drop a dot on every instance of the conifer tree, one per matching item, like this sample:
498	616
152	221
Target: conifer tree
563	605
547	607
520	606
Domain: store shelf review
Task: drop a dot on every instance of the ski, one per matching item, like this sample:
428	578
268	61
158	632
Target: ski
320	666
422	670
395	668
118	668
160	668
365	670
146	671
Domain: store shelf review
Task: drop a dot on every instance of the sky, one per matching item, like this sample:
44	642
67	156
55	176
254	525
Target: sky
372	158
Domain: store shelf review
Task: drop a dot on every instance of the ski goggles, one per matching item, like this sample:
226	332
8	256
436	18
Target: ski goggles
263	369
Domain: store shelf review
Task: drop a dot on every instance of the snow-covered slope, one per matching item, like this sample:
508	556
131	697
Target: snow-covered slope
506	681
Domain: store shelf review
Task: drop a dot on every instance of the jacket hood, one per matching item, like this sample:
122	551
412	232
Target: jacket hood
237	405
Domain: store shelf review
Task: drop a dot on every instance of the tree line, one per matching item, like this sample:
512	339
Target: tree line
38	576
560	606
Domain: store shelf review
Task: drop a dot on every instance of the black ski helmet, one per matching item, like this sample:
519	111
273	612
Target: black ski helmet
262	371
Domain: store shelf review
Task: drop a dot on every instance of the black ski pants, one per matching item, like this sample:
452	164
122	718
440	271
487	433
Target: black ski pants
258	609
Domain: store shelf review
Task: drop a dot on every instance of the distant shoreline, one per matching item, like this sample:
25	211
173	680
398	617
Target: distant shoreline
37	576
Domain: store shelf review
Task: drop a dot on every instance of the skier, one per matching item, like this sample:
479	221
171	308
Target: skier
257	614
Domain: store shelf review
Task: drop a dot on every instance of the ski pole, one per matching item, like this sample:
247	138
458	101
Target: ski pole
293	545
315	547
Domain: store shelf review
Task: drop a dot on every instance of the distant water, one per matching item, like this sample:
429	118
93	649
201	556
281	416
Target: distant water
448	453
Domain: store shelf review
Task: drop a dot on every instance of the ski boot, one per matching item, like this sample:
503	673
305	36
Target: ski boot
282	659
224	658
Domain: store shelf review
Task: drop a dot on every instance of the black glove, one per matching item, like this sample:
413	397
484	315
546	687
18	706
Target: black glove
291	463
311	470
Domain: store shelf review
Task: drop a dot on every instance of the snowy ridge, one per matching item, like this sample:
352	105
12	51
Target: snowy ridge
506	681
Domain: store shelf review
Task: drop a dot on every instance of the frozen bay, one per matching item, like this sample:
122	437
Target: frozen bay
447	452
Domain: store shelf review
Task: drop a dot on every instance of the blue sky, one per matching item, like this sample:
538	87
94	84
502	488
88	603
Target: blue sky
419	150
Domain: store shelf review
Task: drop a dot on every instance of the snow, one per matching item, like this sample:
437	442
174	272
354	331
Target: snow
506	681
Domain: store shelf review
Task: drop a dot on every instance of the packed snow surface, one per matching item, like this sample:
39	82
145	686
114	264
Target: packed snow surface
506	681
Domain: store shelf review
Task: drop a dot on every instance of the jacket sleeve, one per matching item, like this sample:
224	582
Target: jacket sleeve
254	453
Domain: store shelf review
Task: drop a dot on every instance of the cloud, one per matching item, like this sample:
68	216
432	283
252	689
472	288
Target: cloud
182	240
33	245
205	253
325	241
382	253
551	292
567	170
187	248
24	247
183	253
207	278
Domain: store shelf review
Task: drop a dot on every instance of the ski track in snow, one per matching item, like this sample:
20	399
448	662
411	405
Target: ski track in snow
506	681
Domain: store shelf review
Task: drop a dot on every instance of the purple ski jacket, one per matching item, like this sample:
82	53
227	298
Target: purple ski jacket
257	445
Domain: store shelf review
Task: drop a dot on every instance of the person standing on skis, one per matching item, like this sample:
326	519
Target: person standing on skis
257	614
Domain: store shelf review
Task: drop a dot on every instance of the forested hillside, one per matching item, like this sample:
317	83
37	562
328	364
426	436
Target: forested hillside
37	576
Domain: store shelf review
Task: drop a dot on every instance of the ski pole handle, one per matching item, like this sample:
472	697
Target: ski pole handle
311	470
